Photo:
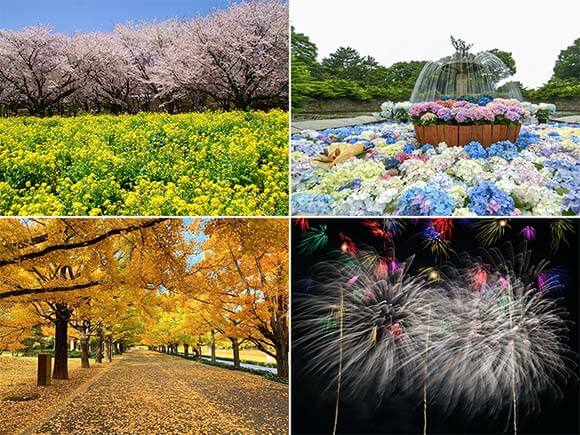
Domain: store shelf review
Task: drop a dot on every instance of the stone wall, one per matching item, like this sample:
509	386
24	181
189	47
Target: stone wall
349	106
564	104
342	105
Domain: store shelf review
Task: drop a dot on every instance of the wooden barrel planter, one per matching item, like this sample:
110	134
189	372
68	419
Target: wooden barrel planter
454	135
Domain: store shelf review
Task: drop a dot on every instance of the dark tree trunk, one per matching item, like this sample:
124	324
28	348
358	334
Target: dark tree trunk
236	351
212	346
100	346
185	349
61	342
282	360
85	351
110	348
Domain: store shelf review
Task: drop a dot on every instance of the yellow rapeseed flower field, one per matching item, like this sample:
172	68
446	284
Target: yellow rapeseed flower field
233	163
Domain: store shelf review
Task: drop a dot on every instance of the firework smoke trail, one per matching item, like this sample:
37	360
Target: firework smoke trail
339	373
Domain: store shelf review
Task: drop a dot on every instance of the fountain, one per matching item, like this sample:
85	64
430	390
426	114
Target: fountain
464	74
466	98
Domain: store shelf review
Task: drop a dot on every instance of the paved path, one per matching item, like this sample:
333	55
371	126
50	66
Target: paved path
573	119
147	392
321	124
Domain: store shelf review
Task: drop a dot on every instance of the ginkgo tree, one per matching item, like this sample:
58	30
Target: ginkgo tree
244	277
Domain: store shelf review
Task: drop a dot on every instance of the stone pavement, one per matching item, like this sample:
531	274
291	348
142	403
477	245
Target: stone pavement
147	392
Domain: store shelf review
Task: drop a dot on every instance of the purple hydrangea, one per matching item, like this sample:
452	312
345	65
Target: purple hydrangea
428	201
444	113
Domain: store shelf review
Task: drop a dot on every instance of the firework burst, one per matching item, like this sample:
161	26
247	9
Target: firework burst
302	223
314	238
528	233
490	231
560	228
435	241
444	227
479	334
347	245
502	343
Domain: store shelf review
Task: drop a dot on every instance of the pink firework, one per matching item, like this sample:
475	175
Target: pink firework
479	277
382	268
528	233
352	280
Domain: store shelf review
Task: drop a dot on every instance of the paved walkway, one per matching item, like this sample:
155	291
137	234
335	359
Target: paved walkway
321	124
147	392
573	119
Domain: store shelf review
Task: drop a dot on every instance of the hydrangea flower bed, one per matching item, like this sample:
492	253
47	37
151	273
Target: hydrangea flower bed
539	174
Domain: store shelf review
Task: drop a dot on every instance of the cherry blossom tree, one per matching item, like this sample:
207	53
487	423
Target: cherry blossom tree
233	59
109	76
37	65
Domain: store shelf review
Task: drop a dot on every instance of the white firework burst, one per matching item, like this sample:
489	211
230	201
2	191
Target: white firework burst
502	342
371	314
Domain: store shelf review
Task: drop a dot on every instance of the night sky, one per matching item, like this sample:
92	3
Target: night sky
313	407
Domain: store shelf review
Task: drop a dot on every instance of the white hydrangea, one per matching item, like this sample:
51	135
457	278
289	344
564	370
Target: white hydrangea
470	171
463	211
416	169
387	109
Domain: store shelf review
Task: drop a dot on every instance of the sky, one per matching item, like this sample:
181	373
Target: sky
69	16
393	31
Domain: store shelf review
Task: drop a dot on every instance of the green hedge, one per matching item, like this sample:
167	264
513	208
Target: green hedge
35	352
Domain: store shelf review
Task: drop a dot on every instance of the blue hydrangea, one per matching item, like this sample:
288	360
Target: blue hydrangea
308	147
572	201
391	163
475	151
468	98
352	185
566	174
526	138
504	149
484	100
409	148
304	203
428	148
486	199
428	201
